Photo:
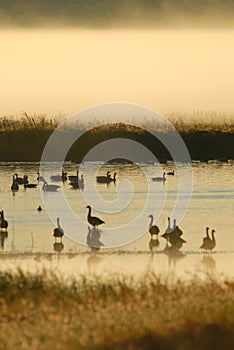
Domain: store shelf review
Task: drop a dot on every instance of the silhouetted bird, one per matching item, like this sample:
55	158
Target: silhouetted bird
93	220
3	222
153	229
58	231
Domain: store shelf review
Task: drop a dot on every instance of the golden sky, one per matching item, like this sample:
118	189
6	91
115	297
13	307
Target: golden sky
48	71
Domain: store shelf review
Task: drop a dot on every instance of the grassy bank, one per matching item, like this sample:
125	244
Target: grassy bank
40	311
24	138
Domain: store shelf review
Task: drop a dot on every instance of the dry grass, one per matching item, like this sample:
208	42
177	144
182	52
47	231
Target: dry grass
193	122
41	311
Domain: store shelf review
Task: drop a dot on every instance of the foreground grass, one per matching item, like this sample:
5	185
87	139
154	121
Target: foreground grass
40	311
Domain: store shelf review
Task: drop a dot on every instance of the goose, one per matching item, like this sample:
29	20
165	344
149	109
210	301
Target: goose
153	229
93	220
78	183
172	173
110	179
27	184
168	229
58	231
208	243
160	179
3	222
206	240
14	186
62	177
39	208
104	179
39	177
19	180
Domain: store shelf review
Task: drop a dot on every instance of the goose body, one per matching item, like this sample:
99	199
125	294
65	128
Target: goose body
159	179
104	179
51	188
58	231
19	180
153	229
3	222
93	220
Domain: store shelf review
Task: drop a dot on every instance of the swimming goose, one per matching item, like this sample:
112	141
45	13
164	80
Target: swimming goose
48	187
27	184
78	183
171	173
153	229
19	180
104	179
58	231
110	179
160	179
3	222
93	220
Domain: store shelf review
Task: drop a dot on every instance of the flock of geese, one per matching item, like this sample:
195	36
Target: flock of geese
172	235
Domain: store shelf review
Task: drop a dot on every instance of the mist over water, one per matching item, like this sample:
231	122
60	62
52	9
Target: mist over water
52	71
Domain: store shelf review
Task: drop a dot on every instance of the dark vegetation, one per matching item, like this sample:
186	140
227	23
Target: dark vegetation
102	13
42	311
24	138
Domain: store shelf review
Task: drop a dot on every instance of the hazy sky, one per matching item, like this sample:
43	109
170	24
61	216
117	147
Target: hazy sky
48	71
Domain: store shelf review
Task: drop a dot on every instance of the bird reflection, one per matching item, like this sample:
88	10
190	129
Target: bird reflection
58	247
173	254
3	236
153	244
93	238
209	263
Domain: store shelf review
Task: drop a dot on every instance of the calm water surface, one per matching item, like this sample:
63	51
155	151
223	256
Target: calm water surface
30	243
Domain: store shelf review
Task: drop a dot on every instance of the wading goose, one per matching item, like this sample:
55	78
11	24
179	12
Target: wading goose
3	222
58	231
160	179
93	220
104	179
39	177
48	187
172	173
153	229
14	186
208	243
168	229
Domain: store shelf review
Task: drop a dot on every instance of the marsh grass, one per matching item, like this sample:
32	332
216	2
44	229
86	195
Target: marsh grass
43	311
24	137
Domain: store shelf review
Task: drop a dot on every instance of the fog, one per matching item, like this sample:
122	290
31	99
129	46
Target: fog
52	71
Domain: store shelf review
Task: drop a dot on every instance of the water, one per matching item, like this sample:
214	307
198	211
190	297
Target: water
29	241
